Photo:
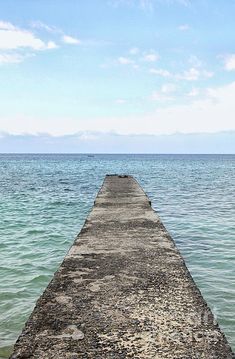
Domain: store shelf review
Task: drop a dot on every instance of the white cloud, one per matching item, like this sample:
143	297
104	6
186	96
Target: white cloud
168	88
207	74
42	26
165	92
125	61
195	61
183	2
193	93
230	62
4	25
12	38
134	51
143	4
147	4
11	58
190	75
70	40
18	44
157	96
184	27
51	45
194	74
120	101
52	29
204	115
151	57
113	142
160	72
88	136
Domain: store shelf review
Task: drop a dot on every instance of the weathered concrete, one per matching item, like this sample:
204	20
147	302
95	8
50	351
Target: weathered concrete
122	291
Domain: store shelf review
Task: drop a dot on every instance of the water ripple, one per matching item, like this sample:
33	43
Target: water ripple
44	200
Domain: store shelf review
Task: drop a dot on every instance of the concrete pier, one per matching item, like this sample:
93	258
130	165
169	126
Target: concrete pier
122	291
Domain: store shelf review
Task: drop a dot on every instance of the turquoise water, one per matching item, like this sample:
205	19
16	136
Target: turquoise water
44	200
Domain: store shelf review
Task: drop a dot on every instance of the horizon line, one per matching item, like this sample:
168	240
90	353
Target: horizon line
115	153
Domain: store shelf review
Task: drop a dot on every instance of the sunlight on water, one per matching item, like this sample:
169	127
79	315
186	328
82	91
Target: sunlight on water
46	198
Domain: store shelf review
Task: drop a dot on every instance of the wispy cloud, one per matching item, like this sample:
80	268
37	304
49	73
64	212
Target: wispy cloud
229	62
113	142
151	57
195	61
165	92
143	4
120	101
147	4
214	112
181	2
192	74
11	58
134	51
17	44
194	92
160	72
168	88
135	57
4	25
184	27
52	45
12	38
65	38
125	61
42	26
210	113
70	40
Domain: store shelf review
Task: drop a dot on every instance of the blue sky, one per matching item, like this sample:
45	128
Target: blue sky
126	66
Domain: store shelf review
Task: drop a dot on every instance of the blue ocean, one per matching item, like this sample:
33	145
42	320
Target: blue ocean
45	198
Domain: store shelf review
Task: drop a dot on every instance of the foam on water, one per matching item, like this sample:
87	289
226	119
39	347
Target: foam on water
44	200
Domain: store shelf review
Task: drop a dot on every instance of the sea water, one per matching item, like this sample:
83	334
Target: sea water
44	200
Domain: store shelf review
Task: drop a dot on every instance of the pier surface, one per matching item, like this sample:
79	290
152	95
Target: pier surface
122	291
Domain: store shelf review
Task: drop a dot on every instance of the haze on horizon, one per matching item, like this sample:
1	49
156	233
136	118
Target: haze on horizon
126	67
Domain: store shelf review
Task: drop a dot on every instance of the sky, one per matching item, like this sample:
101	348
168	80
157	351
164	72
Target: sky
101	68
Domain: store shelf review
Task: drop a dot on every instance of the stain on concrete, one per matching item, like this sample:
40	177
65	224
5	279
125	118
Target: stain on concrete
122	291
